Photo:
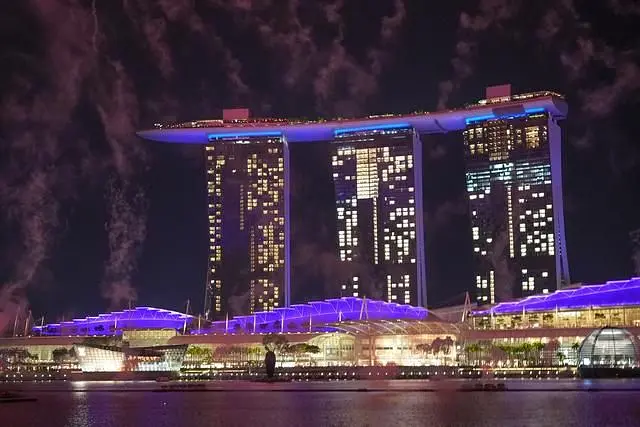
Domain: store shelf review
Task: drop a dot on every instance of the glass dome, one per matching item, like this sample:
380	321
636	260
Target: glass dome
610	347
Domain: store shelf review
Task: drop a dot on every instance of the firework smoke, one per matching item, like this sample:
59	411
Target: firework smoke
491	14
126	230
558	28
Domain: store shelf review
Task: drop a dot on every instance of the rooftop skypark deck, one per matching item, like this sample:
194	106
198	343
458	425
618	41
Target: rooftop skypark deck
295	130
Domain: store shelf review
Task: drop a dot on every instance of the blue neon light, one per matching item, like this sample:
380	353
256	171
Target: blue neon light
370	128
510	116
213	137
480	118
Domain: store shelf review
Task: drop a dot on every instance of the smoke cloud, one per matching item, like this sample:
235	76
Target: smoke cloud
491	14
47	158
557	28
126	230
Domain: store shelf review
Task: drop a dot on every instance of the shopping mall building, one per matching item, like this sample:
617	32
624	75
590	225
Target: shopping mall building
542	330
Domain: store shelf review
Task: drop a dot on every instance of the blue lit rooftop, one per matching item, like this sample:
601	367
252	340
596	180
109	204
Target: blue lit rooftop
611	294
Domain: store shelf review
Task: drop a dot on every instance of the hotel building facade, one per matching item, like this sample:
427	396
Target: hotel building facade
378	185
514	185
247	214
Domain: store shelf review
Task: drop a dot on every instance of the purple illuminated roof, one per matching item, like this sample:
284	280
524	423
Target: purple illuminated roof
111	323
203	131
318	316
610	294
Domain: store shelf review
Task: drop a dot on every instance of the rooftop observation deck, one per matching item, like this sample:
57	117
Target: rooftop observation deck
204	131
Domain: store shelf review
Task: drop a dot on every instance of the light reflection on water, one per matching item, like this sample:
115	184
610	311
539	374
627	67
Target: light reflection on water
330	404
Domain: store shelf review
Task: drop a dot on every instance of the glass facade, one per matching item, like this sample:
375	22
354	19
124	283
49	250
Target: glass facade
377	179
609	347
514	185
592	317
246	207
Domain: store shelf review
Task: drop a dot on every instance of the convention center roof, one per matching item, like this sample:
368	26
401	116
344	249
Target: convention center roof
109	323
318	316
610	294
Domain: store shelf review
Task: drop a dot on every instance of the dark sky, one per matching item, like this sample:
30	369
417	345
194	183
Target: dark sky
92	215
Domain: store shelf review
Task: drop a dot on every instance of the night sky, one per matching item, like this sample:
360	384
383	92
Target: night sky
93	217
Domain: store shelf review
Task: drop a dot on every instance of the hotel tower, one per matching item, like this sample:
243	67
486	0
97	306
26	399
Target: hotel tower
514	185
378	187
248	223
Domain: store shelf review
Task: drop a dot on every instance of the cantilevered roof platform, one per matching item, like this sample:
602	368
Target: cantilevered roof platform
294	131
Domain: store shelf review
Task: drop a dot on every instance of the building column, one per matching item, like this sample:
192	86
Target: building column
287	222
562	260
421	275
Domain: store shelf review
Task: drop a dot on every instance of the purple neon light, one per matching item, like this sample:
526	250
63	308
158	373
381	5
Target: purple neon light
610	294
109	323
298	317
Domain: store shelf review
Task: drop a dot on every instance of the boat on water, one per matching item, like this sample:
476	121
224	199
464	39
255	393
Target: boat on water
11	397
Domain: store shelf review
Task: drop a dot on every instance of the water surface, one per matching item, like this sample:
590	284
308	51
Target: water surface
391	403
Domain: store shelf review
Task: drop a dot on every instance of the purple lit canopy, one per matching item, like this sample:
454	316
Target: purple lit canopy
318	316
111	323
610	294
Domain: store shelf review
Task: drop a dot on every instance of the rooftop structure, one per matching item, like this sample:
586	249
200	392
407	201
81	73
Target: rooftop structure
113	323
611	294
296	318
204	131
317	316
